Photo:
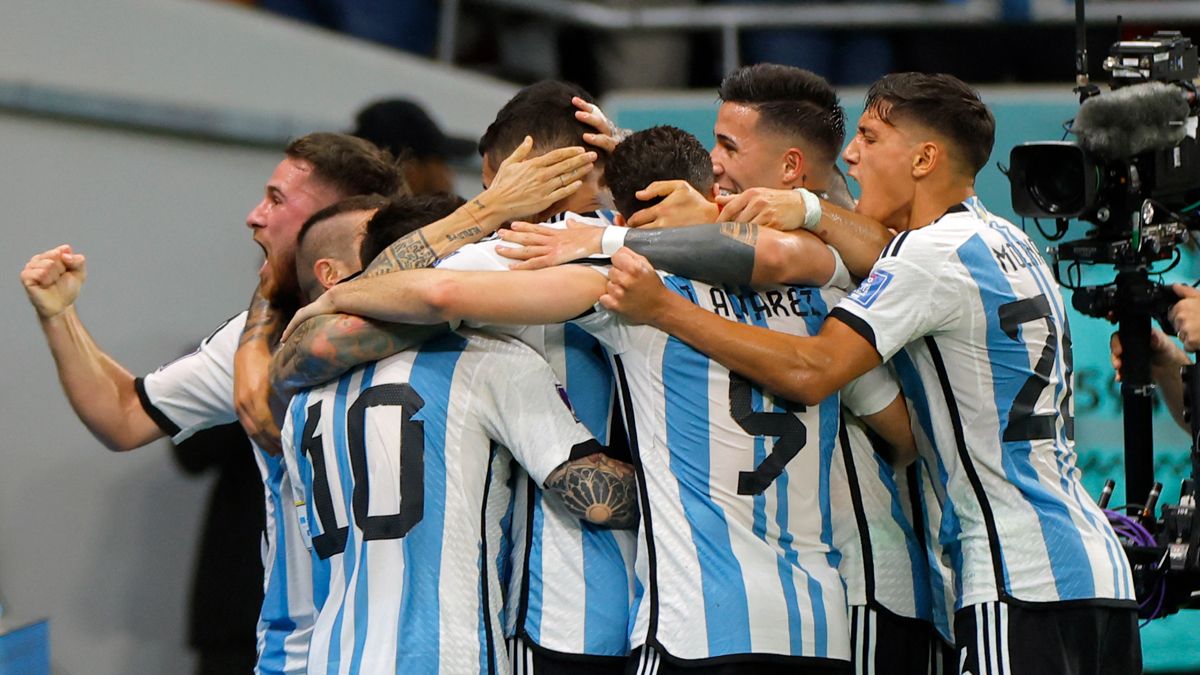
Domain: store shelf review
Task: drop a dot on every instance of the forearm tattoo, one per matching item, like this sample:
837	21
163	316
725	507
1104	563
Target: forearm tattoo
598	489
410	252
717	253
263	322
327	346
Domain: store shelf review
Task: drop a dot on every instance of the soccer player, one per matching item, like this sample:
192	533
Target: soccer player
967	309
196	392
572	583
780	128
403	487
736	568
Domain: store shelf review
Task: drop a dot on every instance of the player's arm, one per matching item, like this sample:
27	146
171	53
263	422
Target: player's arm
598	489
803	369
101	391
329	345
251	366
723	253
440	296
858	239
893	426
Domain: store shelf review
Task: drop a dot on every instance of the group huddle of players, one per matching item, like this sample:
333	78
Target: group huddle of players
695	411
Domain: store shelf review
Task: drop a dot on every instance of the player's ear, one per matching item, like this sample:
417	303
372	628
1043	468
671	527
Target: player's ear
792	172
926	158
326	272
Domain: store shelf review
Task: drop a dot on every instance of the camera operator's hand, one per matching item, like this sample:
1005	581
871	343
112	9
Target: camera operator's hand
1185	316
1166	358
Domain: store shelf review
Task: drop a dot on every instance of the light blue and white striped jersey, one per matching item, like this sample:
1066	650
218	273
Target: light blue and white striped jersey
400	479
735	553
571	587
196	392
981	343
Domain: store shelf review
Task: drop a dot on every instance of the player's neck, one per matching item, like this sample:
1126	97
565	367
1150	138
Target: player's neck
932	202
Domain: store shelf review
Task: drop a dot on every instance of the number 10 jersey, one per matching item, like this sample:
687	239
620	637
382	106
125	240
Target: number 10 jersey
401	484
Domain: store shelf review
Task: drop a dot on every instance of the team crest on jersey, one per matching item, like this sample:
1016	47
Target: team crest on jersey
871	288
562	393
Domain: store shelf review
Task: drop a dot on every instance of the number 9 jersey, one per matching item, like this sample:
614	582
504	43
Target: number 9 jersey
735	558
401	485
975	323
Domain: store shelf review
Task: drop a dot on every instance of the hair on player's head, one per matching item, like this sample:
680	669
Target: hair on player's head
356	203
402	216
654	154
790	101
348	164
941	103
544	111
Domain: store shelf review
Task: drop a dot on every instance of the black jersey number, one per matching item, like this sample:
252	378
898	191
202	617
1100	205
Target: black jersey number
1023	423
785	426
412	470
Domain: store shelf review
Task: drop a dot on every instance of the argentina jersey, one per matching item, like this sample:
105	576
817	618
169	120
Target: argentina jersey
571	586
982	347
400	481
196	392
735	556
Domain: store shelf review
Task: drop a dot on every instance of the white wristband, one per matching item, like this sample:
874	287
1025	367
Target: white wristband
812	209
612	239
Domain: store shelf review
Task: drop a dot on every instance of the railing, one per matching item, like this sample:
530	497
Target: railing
730	20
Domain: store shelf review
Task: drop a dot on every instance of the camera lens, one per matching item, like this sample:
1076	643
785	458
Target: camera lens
1057	186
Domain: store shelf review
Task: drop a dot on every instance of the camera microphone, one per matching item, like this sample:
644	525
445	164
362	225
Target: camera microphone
1133	119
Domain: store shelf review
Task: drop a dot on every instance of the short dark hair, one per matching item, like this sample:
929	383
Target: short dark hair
790	101
350	165
943	104
542	110
404	215
658	153
356	203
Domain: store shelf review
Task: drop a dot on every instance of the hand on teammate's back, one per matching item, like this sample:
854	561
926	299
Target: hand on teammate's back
634	289
540	246
681	205
53	279
776	209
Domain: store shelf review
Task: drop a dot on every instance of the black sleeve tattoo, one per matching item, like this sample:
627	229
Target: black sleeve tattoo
598	489
720	253
410	252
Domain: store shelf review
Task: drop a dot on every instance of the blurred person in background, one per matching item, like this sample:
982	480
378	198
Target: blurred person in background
403	128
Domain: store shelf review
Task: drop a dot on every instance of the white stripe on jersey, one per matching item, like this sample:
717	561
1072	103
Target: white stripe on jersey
971	289
398	461
196	392
727	573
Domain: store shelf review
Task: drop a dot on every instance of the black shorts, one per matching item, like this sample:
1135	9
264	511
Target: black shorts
882	642
527	659
998	638
649	661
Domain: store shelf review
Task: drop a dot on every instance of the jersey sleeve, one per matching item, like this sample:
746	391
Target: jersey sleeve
531	414
872	391
477	257
905	297
194	392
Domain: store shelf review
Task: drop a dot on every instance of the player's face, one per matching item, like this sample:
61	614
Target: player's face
745	157
880	157
292	195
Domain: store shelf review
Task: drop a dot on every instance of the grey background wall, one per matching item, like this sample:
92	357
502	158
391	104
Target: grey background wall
103	544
